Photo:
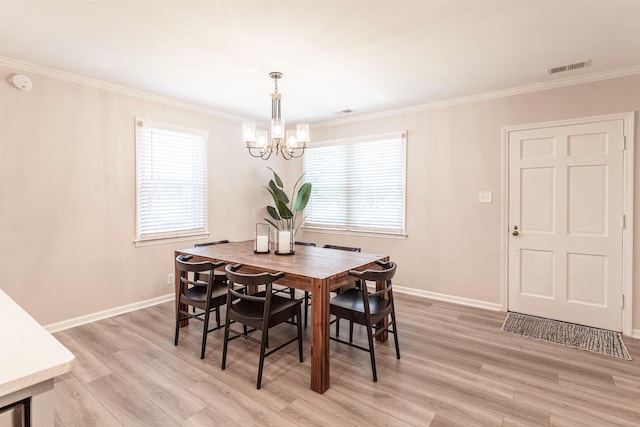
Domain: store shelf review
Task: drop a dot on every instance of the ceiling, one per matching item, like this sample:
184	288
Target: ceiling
366	56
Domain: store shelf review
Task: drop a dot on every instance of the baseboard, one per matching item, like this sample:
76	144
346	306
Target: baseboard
636	333
448	298
82	320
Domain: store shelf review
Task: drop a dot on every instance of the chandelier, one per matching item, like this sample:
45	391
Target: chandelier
289	143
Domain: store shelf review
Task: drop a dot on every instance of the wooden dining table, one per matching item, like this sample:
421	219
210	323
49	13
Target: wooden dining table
314	269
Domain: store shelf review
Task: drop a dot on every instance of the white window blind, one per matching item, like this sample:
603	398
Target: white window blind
171	180
358	184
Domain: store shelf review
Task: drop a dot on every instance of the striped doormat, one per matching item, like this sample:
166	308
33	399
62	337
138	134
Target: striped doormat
569	334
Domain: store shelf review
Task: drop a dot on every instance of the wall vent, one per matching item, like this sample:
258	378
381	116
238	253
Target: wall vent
569	67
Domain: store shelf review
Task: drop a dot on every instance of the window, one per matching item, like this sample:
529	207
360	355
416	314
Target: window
358	184
171	181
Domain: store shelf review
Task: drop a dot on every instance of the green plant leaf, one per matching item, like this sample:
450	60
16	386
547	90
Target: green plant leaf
277	178
273	213
303	197
283	210
279	195
298	182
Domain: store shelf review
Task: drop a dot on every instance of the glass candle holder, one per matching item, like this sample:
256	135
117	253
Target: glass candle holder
284	242
261	244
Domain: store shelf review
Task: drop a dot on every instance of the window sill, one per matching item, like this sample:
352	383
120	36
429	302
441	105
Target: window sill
361	233
167	240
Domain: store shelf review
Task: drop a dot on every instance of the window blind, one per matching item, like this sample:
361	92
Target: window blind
358	184
171	180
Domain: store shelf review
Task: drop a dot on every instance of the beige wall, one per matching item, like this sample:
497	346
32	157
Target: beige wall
453	246
67	191
67	194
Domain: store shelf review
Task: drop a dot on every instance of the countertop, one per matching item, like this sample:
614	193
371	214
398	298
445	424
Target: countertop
29	354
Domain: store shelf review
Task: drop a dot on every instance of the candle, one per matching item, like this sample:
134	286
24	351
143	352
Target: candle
284	241
262	244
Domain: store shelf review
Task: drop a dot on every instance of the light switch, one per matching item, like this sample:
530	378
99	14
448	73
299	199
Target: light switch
485	197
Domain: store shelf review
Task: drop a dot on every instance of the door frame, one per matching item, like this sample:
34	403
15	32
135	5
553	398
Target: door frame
627	209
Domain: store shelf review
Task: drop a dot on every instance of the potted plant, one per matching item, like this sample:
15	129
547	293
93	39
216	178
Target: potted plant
285	215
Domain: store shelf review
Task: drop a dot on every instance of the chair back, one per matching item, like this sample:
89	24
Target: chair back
185	267
343	248
384	275
219	278
260	301
386	293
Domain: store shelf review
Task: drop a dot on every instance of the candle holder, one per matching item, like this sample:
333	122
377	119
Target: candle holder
262	244
284	242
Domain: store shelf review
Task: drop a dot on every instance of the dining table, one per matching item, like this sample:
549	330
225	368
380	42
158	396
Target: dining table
314	269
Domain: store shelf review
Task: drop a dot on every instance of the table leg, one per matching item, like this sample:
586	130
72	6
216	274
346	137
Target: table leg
320	335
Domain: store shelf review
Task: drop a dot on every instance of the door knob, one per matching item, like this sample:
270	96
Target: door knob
515	231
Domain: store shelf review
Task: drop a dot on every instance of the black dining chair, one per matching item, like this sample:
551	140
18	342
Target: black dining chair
259	311
360	306
207	296
220	276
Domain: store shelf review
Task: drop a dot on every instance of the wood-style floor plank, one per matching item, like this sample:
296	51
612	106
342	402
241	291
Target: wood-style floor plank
76	407
456	369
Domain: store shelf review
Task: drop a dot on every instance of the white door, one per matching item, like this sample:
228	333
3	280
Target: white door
566	223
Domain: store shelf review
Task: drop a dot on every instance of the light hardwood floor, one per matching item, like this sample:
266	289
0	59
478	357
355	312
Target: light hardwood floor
456	369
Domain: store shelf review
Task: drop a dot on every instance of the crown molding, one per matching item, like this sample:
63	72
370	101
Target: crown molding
519	90
85	81
535	87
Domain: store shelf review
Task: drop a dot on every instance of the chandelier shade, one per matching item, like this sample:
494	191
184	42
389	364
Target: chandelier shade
280	141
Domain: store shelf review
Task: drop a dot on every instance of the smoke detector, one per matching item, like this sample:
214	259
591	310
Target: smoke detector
21	82
569	67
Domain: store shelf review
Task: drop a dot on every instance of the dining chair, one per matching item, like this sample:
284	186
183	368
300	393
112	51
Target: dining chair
220	275
207	296
370	309
259	311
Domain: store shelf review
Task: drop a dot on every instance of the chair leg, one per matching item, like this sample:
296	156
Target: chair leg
395	333
263	346
226	342
306	305
351	331
337	326
175	340
218	316
205	332
299	323
372	351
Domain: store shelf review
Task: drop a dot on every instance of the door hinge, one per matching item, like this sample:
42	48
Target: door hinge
623	221
624	143
623	301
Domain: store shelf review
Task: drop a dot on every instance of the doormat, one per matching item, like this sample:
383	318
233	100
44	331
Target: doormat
581	337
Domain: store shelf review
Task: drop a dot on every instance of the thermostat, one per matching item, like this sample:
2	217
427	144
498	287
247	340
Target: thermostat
21	82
